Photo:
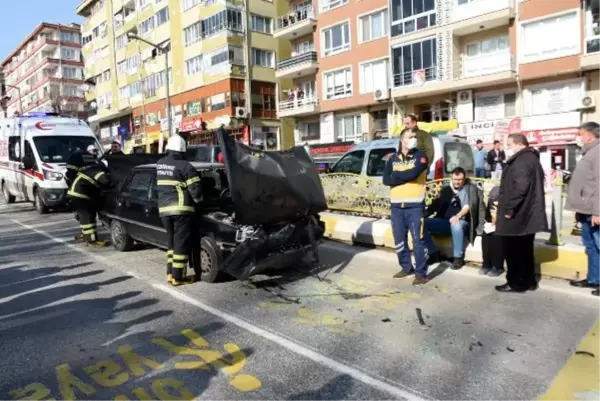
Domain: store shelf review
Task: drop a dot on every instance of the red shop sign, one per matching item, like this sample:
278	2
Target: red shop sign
331	149
190	124
551	136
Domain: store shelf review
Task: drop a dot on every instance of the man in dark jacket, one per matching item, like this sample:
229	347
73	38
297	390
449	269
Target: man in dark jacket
424	139
115	149
84	193
459	209
583	198
179	191
521	213
496	159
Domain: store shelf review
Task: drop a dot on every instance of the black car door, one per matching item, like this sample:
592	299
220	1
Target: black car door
153	219
133	202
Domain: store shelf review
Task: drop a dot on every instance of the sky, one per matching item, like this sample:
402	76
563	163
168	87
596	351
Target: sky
20	17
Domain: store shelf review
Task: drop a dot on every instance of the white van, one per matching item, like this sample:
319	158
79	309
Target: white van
369	158
34	150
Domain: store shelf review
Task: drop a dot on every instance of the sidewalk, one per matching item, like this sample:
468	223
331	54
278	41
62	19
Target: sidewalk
567	261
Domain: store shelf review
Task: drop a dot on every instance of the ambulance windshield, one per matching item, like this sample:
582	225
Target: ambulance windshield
57	149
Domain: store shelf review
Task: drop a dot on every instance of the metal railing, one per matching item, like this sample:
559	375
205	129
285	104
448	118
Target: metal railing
492	63
289	105
293	18
303	58
416	76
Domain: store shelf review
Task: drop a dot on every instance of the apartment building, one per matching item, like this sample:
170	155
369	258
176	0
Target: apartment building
45	72
221	56
474	67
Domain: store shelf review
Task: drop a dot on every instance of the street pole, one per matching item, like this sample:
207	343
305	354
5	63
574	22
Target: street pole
18	94
163	50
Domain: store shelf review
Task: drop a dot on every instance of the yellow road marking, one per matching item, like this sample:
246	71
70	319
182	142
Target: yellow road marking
579	378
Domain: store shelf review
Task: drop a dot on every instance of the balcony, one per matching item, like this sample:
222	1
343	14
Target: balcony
298	66
298	107
486	64
416	77
470	15
296	24
589	60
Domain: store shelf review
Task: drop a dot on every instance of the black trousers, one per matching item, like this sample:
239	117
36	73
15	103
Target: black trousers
179	231
86	211
519	252
493	252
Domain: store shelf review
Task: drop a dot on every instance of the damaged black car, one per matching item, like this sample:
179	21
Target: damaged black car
260	209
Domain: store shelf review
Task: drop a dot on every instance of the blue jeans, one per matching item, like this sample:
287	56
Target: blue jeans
442	226
405	219
590	237
480	172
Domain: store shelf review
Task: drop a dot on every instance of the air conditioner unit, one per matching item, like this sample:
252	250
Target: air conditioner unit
587	103
240	112
382	94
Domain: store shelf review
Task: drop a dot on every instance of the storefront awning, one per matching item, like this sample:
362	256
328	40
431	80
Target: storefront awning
444	126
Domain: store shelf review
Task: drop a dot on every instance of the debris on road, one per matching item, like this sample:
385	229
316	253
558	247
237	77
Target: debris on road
420	317
386	320
588	353
509	349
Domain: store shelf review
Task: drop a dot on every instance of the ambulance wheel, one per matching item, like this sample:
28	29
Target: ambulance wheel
7	196
120	239
210	260
39	203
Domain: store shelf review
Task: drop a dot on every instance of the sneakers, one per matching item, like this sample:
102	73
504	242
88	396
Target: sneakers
583	284
458	263
420	280
97	244
402	274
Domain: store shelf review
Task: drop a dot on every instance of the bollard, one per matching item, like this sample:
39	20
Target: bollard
557	211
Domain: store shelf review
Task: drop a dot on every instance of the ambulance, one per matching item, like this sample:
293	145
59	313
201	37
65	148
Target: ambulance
34	149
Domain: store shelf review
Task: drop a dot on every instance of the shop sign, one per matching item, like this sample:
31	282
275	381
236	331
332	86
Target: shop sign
194	108
191	124
487	131
151	119
339	147
552	136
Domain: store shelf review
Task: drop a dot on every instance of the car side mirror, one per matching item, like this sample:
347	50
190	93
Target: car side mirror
27	163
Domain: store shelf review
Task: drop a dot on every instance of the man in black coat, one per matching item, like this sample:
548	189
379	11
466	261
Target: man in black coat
496	159
521	213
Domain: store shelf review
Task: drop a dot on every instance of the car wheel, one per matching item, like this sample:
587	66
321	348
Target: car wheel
210	260
39	204
7	196
120	239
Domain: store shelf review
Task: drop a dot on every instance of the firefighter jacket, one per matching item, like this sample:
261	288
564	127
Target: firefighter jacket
406	175
178	185
90	182
75	163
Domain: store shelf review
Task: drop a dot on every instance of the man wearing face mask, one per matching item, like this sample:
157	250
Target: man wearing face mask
521	213
405	173
583	200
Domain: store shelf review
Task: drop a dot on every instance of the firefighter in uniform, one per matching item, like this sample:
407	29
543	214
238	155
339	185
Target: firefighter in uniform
75	163
84	194
179	191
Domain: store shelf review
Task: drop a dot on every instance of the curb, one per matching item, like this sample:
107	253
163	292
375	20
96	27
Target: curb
566	262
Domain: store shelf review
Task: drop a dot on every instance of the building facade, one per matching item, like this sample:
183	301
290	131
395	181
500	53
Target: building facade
221	56
45	73
468	66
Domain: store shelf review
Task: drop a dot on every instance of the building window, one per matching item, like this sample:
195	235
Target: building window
69	37
592	26
348	128
556	98
330	4
495	106
258	23
373	76
193	65
217	102
338	84
146	26
309	131
263	58
373	26
161	17
433	112
412	15
71	73
225	20
415	63
187	4
121	41
336	39
68	54
492	45
550	38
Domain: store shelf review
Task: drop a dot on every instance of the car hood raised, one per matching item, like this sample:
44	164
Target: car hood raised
270	187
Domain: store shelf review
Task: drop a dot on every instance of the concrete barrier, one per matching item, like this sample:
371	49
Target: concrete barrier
567	261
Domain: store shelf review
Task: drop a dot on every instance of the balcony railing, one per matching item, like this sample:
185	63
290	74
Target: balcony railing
416	76
491	63
304	58
297	104
291	19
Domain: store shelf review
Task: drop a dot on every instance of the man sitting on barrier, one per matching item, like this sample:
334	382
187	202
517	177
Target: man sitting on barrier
458	210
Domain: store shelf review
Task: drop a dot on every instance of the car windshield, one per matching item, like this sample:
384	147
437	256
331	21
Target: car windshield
458	154
202	154
57	149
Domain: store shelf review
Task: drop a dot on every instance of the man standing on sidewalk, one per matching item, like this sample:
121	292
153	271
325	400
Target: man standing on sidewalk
583	200
496	159
405	172
480	159
521	213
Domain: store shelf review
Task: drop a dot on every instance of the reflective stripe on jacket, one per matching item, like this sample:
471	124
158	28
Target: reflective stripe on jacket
406	176
178	186
90	181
